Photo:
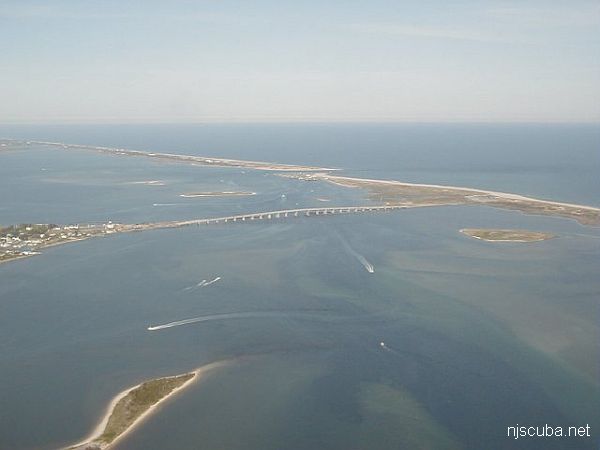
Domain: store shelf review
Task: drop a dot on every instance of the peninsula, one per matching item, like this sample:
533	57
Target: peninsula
130	407
390	192
497	235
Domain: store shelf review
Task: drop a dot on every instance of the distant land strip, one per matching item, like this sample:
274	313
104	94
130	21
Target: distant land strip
190	159
386	192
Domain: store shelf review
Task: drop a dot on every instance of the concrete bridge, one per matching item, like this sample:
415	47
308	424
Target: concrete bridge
289	213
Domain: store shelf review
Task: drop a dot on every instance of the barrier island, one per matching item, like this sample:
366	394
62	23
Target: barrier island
390	192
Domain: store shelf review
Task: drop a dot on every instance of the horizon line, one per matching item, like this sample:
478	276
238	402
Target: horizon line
302	121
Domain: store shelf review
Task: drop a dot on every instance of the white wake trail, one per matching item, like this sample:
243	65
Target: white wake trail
202	283
366	264
241	315
383	346
211	282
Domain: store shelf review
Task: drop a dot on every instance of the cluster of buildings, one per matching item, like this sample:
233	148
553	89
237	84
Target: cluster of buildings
24	240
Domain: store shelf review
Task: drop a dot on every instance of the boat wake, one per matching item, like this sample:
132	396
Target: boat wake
366	264
148	182
203	283
208	283
387	349
240	315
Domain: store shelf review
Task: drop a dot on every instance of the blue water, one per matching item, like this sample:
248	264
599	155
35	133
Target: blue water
559	162
478	336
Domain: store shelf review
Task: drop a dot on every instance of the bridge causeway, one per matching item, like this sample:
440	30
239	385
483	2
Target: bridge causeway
289	213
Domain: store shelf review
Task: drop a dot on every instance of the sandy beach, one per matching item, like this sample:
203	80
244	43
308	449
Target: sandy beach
192	159
505	195
91	439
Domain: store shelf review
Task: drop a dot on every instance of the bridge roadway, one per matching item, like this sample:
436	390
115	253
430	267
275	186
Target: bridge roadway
285	213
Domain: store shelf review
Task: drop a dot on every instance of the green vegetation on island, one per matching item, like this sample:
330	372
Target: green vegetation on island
390	192
132	406
138	401
494	235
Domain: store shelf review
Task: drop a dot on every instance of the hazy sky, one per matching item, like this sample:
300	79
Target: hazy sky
190	61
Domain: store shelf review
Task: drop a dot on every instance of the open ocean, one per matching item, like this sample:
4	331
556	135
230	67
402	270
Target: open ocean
478	336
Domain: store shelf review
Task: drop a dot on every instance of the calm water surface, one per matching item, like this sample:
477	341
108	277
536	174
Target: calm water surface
478	336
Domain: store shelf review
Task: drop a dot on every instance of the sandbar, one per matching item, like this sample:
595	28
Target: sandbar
131	407
498	235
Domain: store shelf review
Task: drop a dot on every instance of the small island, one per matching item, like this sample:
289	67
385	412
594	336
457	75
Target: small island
217	194
495	235
133	405
130	408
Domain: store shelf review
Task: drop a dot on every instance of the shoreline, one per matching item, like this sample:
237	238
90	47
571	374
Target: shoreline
397	191
191	159
119	228
53	244
506	195
100	427
323	175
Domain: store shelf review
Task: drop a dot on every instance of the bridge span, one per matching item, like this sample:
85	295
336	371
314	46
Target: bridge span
284	214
